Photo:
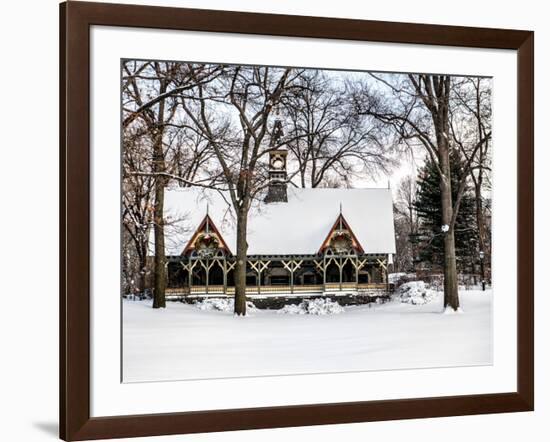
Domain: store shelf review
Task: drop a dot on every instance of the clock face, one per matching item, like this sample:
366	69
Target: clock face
277	163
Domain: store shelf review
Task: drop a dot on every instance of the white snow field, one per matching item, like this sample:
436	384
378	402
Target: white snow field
185	342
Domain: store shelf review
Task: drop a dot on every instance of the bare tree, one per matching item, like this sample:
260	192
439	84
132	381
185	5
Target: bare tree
329	140
137	207
417	108
406	197
150	100
473	112
233	114
406	222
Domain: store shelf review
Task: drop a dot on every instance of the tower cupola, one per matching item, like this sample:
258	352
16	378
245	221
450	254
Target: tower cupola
277	189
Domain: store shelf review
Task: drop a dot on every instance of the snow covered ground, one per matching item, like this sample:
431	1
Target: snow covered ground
185	342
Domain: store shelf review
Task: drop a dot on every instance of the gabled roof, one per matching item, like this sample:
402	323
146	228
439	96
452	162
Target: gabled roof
206	223
341	222
298	227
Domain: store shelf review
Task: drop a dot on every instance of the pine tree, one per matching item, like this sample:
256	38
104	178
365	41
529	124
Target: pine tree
428	206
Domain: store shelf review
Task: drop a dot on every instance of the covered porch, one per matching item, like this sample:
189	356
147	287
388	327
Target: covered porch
277	276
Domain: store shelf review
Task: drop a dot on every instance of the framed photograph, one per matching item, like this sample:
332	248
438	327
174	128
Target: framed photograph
272	221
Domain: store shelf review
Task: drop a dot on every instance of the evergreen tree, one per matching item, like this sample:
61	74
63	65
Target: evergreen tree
429	241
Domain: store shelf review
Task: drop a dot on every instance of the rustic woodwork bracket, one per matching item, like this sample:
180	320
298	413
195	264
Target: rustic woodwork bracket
320	265
259	266
231	266
292	266
359	264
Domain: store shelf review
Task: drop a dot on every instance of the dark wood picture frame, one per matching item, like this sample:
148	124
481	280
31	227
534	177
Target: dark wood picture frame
75	21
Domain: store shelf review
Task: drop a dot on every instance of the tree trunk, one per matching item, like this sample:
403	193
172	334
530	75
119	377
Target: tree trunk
159	166
449	265
159	300
451	283
142	268
479	216
240	267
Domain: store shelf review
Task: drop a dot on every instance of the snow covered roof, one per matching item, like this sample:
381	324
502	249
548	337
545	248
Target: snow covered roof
297	227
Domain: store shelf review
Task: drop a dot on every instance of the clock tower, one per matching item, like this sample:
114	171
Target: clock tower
276	192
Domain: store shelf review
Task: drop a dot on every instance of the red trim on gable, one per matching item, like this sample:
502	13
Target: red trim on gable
200	229
355	241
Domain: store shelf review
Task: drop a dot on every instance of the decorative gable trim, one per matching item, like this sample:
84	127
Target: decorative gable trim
206	222
341	222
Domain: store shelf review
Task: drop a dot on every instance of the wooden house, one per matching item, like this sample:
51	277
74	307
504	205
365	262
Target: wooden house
301	242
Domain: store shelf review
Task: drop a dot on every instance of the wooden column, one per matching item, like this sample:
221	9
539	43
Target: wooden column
190	266
224	270
358	264
190	278
230	266
207	266
184	267
384	273
258	281
340	267
292	266
207	271
259	267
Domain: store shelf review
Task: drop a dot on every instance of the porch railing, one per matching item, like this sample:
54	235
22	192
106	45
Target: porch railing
276	289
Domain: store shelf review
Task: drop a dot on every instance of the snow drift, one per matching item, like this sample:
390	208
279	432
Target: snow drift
318	306
220	304
414	292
